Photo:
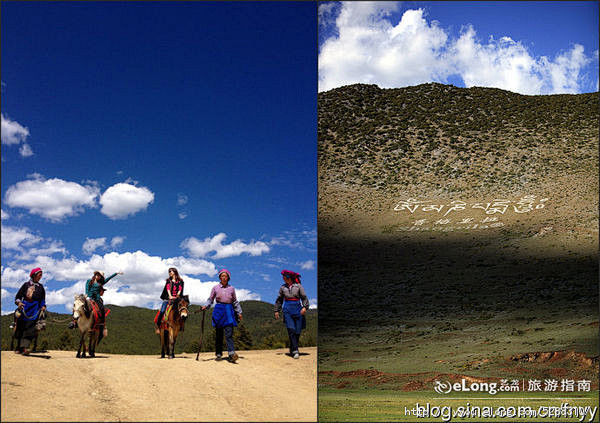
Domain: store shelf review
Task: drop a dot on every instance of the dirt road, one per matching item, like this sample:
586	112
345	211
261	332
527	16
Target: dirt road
145	388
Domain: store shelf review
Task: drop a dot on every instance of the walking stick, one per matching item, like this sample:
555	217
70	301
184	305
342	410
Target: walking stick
201	335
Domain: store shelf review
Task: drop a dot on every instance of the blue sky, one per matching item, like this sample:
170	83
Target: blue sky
525	47
138	136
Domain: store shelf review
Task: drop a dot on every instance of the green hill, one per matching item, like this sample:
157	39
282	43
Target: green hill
131	331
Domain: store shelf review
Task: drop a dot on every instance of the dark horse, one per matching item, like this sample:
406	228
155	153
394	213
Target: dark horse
86	316
170	327
39	326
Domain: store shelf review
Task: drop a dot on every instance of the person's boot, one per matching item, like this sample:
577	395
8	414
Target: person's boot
159	323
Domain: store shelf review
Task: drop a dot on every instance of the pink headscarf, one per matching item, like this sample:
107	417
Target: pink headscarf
34	271
224	271
293	275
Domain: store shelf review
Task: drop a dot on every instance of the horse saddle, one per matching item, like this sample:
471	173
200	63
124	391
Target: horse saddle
98	318
165	315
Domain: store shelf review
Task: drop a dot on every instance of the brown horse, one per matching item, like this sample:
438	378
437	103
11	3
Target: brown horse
169	328
83	312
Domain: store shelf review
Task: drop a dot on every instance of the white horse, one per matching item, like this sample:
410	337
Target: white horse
86	322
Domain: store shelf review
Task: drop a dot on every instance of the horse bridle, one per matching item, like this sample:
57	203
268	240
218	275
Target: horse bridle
179	308
85	305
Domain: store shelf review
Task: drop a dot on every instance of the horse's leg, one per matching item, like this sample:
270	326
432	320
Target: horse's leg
171	342
93	336
173	338
81	346
162	343
166	341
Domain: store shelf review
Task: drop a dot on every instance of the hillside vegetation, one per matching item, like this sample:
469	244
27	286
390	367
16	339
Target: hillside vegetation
403	302
440	138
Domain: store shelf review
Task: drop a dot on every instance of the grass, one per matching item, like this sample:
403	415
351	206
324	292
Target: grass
383	405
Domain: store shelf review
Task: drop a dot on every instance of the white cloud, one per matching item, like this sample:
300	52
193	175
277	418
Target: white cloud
182	215
9	296
92	244
199	248
116	241
509	65
53	199
307	265
5	215
264	276
182	199
141	283
305	239
25	150
17	238
312	303
245	295
22	244
565	70
326	9
14	278
123	199
369	48
12	132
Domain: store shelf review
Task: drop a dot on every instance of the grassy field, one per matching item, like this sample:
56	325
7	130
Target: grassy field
386	405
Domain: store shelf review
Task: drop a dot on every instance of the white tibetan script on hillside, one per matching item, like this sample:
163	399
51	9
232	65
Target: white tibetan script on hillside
450	225
525	204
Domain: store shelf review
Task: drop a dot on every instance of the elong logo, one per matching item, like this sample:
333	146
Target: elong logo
446	387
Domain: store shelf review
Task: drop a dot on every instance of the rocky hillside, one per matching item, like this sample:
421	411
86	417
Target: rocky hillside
441	139
440	144
411	284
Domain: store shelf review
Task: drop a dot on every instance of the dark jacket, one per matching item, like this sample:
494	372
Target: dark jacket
176	289
32	305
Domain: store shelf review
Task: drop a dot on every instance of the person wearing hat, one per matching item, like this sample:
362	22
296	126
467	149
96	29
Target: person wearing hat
31	301
94	288
223	318
294	302
172	290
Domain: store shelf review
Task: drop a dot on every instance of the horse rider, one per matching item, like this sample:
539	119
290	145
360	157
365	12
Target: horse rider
172	290
295	303
223	318
31	301
94	289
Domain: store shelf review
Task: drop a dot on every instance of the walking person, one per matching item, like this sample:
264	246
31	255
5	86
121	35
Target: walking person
172	290
223	316
31	301
294	302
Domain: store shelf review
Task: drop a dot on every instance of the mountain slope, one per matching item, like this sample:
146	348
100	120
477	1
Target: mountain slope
404	286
